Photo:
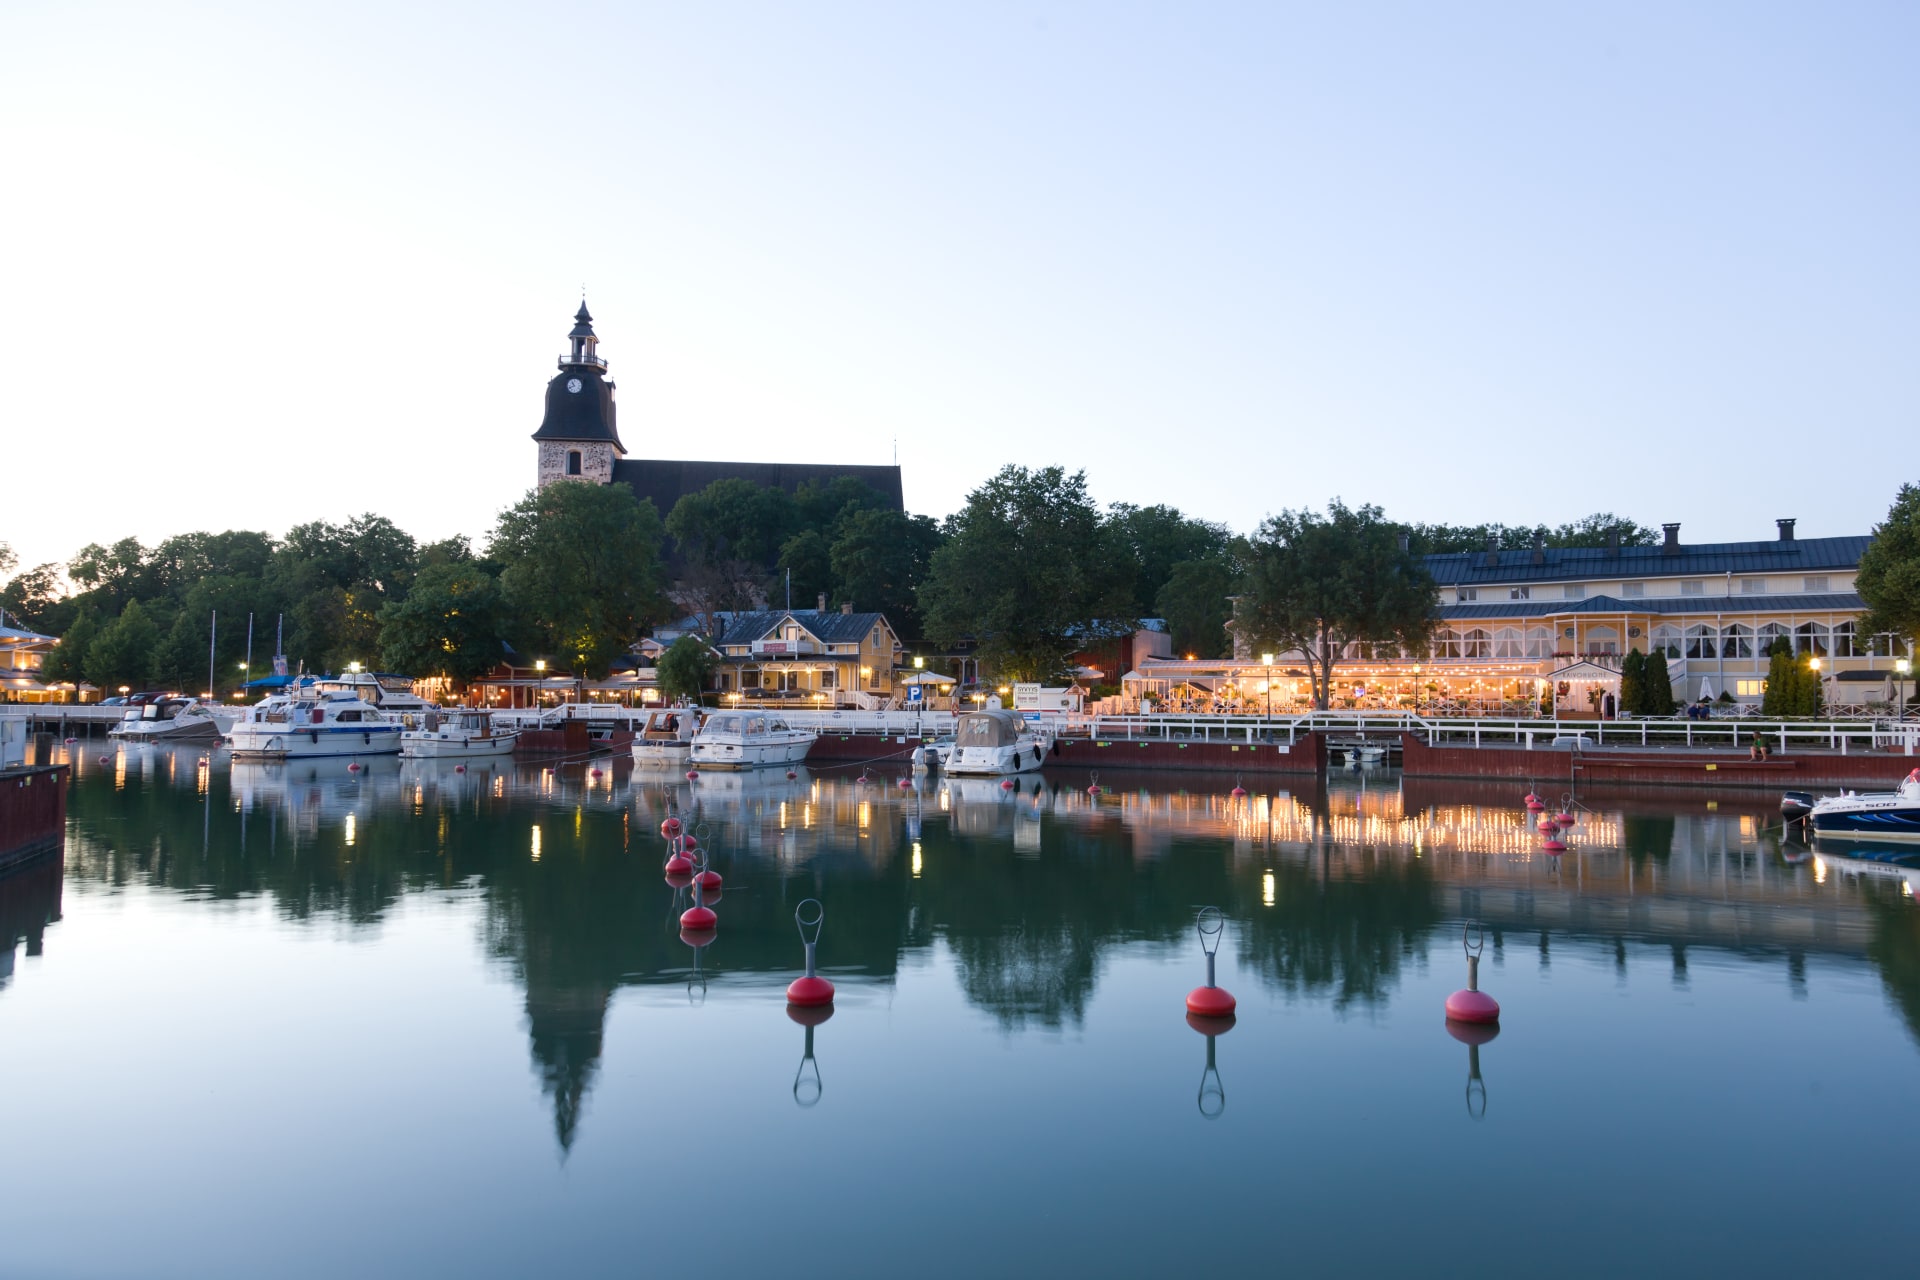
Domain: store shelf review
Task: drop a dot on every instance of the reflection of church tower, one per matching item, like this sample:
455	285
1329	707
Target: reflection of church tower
567	1025
577	436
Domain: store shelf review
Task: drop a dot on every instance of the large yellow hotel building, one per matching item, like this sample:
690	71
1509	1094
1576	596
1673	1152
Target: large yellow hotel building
1512	626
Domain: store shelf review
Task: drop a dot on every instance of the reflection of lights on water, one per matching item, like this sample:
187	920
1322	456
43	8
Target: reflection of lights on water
500	786
806	816
350	830
576	822
1266	888
866	814
783	815
536	843
419	797
1819	869
120	771
916	859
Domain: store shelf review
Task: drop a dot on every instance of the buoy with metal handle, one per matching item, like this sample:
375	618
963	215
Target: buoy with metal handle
1472	1004
810	990
1210	1001
698	918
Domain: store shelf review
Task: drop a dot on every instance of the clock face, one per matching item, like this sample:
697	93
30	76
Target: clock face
573	385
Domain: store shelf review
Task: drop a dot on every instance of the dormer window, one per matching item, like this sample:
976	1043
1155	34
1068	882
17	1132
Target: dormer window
1519	593
1466	594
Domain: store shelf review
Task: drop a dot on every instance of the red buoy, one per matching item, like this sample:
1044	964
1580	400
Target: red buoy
809	992
1472	1006
697	938
699	918
679	879
679	865
354	767
1554	844
692	774
70	741
1210	1002
860	781
103	759
1094	790
670	828
791	775
1548	826
1534	803
459	768
1006	784
905	783
1238	793
593	773
689	842
709	881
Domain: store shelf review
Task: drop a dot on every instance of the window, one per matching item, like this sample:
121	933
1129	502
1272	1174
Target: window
1507	643
750	678
1813	584
829	677
1539	642
1737	642
1749	688
1519	593
1465	594
1753	586
1768	633
1475	644
1633	590
1574	591
573	462
1666	640
1446	643
1693	587
1702	641
349	717
1602	640
1811	638
1843	640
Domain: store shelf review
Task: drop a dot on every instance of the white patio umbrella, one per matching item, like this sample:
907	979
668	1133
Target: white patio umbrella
925	677
1706	689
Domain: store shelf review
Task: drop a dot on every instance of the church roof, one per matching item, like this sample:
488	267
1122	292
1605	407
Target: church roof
586	414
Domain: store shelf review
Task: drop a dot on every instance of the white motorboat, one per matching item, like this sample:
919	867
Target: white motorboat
1874	815
293	727
175	720
456	733
933	755
666	740
747	740
993	743
393	694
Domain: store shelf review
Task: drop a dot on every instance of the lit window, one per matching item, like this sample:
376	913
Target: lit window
1753	586
1519	593
1633	590
1693	587
1749	688
1814	584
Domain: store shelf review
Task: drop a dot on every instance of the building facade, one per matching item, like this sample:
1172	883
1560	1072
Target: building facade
808	657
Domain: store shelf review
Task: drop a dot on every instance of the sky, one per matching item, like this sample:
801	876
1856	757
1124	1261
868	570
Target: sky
264	264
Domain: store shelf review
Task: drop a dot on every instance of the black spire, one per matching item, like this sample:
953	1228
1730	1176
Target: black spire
580	399
582	322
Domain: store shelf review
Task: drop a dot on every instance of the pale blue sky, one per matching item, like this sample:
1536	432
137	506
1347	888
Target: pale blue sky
265	264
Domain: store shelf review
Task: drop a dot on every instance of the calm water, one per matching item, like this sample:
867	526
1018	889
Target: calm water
288	1020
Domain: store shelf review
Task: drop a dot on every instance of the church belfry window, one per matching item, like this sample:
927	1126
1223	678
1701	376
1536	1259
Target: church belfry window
573	462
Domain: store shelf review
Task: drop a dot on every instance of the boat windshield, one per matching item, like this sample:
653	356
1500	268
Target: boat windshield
987	729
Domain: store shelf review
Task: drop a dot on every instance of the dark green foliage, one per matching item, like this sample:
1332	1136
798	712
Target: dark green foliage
685	668
1588	531
879	559
1658	698
67	662
1027	571
1633	683
451	623
32	600
123	651
1778	697
582	568
1315	584
1889	577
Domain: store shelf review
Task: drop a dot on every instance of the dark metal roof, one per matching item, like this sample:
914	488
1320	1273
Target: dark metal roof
1576	564
1822	602
667	481
830	627
586	414
582	323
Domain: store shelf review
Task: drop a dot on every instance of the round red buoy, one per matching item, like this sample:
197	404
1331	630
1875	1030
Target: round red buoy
1094	790
690	842
1548	826
1238	793
709	881
70	741
905	783
1564	820
1210	1002
679	865
1006	784
1472	1006
697	938
1554	844
593	773
791	775
354	767
459	768
670	828
692	774
698	918
809	992
103	759
679	879
860	781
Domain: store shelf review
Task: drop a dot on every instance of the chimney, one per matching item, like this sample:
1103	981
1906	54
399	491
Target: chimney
1406	541
1613	541
820	606
846	608
1493	549
1671	547
1786	530
1539	546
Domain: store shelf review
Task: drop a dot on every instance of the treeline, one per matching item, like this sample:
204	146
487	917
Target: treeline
1030	571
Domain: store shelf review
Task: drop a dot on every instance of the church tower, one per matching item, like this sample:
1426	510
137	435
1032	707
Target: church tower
577	437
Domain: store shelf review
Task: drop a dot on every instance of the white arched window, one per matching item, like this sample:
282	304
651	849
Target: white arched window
1446	643
1476	643
1843	640
1737	642
1768	633
1603	640
1702	641
1539	642
1811	638
1506	643
1666	640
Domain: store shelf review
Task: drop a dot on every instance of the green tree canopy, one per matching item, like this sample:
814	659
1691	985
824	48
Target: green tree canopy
1588	531
68	659
1889	576
1026	571
879	559
451	623
1154	541
685	667
123	651
582	568
1196	600
1316	584
1658	698
1633	683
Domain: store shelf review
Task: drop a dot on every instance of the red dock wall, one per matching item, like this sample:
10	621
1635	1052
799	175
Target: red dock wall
1308	754
1794	772
33	811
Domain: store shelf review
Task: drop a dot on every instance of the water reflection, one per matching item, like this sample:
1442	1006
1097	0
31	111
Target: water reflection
29	902
1335	891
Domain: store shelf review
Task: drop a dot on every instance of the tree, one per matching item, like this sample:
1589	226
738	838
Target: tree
1809	697
1633	683
1315	585
1027	572
1889	575
582	570
123	651
684	669
1588	531
33	598
1659	692
451	623
1778	696
879	559
1196	602
67	662
732	519
1154	541
180	658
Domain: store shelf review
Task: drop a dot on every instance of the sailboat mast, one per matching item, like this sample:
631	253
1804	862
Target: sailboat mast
213	630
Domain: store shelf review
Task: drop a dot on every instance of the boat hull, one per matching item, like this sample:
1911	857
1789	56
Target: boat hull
1894	822
167	731
306	743
662	755
749	754
994	762
420	745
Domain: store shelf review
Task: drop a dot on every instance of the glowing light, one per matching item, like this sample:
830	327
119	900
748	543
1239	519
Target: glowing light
536	844
350	831
916	861
1266	888
1819	869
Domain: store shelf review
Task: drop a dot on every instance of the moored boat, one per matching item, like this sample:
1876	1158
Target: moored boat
1880	815
175	720
747	740
456	733
306	726
666	740
992	743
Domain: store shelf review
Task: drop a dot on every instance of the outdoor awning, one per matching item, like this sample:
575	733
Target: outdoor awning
926	677
1589	672
22	684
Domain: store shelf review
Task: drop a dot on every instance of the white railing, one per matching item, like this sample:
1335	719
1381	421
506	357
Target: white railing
913	723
